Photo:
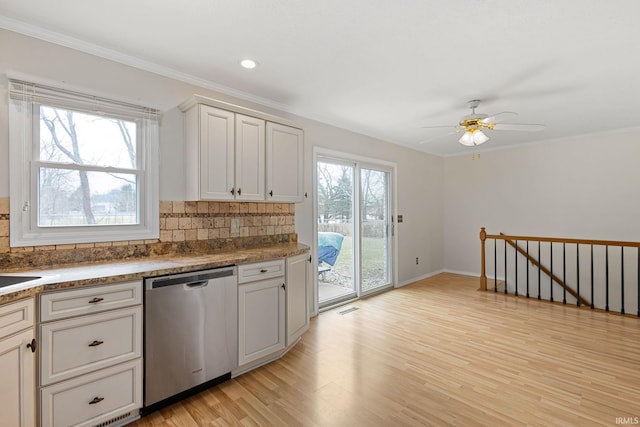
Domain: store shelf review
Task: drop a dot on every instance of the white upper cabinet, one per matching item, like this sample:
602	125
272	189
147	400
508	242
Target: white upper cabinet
233	153
285	148
249	162
209	154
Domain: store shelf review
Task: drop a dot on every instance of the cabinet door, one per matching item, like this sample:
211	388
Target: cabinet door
17	381
285	148
261	308
297	312
250	158
216	154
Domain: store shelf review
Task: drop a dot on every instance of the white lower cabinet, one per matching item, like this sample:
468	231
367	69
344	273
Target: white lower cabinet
272	308
17	364
105	396
296	283
83	344
261	319
91	357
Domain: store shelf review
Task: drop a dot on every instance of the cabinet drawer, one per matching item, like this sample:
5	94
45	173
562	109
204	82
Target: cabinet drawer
63	304
16	316
95	398
260	271
76	346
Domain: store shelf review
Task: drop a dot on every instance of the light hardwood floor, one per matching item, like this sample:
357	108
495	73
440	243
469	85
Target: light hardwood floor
437	352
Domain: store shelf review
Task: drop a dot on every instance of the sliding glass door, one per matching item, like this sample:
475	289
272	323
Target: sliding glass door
375	236
336	231
354	229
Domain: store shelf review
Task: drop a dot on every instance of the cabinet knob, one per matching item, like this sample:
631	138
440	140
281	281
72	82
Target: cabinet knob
271	193
233	191
284	287
33	345
96	343
96	300
239	191
264	270
96	400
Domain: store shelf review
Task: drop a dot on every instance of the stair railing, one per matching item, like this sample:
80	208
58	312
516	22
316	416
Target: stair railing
609	280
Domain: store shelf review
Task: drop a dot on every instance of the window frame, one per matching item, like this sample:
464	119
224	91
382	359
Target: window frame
25	100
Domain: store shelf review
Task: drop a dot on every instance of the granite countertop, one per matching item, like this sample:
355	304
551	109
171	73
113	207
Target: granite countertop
87	274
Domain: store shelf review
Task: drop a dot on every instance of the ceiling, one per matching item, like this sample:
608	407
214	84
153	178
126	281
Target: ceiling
385	68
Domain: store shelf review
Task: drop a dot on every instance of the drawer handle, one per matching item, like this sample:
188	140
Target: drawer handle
264	270
96	300
96	343
96	400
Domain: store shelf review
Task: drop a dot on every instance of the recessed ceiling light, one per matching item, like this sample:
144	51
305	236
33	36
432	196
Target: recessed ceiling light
248	63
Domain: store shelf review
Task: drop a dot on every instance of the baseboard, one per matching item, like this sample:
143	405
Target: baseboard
415	279
464	273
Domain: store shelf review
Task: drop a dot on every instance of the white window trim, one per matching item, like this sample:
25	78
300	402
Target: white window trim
23	230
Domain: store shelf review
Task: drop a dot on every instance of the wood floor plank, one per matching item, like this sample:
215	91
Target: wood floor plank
437	353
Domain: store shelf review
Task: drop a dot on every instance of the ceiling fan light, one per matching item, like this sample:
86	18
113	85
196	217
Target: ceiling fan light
479	137
467	139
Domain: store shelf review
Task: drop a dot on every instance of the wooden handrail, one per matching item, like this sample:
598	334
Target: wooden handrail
502	236
545	270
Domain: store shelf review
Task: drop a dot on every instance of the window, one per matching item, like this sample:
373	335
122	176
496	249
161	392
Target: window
82	168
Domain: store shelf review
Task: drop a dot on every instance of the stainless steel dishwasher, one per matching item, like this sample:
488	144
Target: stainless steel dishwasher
191	333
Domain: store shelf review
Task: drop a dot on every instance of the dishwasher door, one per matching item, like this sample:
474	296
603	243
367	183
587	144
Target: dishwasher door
191	331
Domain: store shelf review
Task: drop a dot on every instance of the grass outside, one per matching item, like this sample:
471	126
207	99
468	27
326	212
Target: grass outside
374	270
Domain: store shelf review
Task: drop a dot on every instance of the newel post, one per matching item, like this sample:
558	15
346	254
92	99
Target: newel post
483	272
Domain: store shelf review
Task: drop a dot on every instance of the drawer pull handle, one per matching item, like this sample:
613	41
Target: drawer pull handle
96	400
33	345
264	270
96	300
96	343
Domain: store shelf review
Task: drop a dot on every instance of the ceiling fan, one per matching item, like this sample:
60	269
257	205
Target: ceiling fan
473	125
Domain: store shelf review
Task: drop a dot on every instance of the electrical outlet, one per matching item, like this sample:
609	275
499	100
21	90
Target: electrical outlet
235	225
417	261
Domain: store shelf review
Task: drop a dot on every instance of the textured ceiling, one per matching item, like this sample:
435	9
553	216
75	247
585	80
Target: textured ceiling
384	68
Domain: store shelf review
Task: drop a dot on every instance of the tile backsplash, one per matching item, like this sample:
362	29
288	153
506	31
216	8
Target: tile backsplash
184	227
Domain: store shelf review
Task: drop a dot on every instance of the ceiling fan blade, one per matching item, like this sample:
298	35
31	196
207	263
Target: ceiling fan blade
438	127
496	118
518	126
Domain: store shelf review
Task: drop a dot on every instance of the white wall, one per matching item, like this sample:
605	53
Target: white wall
419	175
583	187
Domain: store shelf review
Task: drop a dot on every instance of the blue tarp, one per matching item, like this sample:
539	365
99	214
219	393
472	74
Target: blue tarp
329	245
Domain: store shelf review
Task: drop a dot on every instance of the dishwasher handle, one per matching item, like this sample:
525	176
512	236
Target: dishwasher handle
197	284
